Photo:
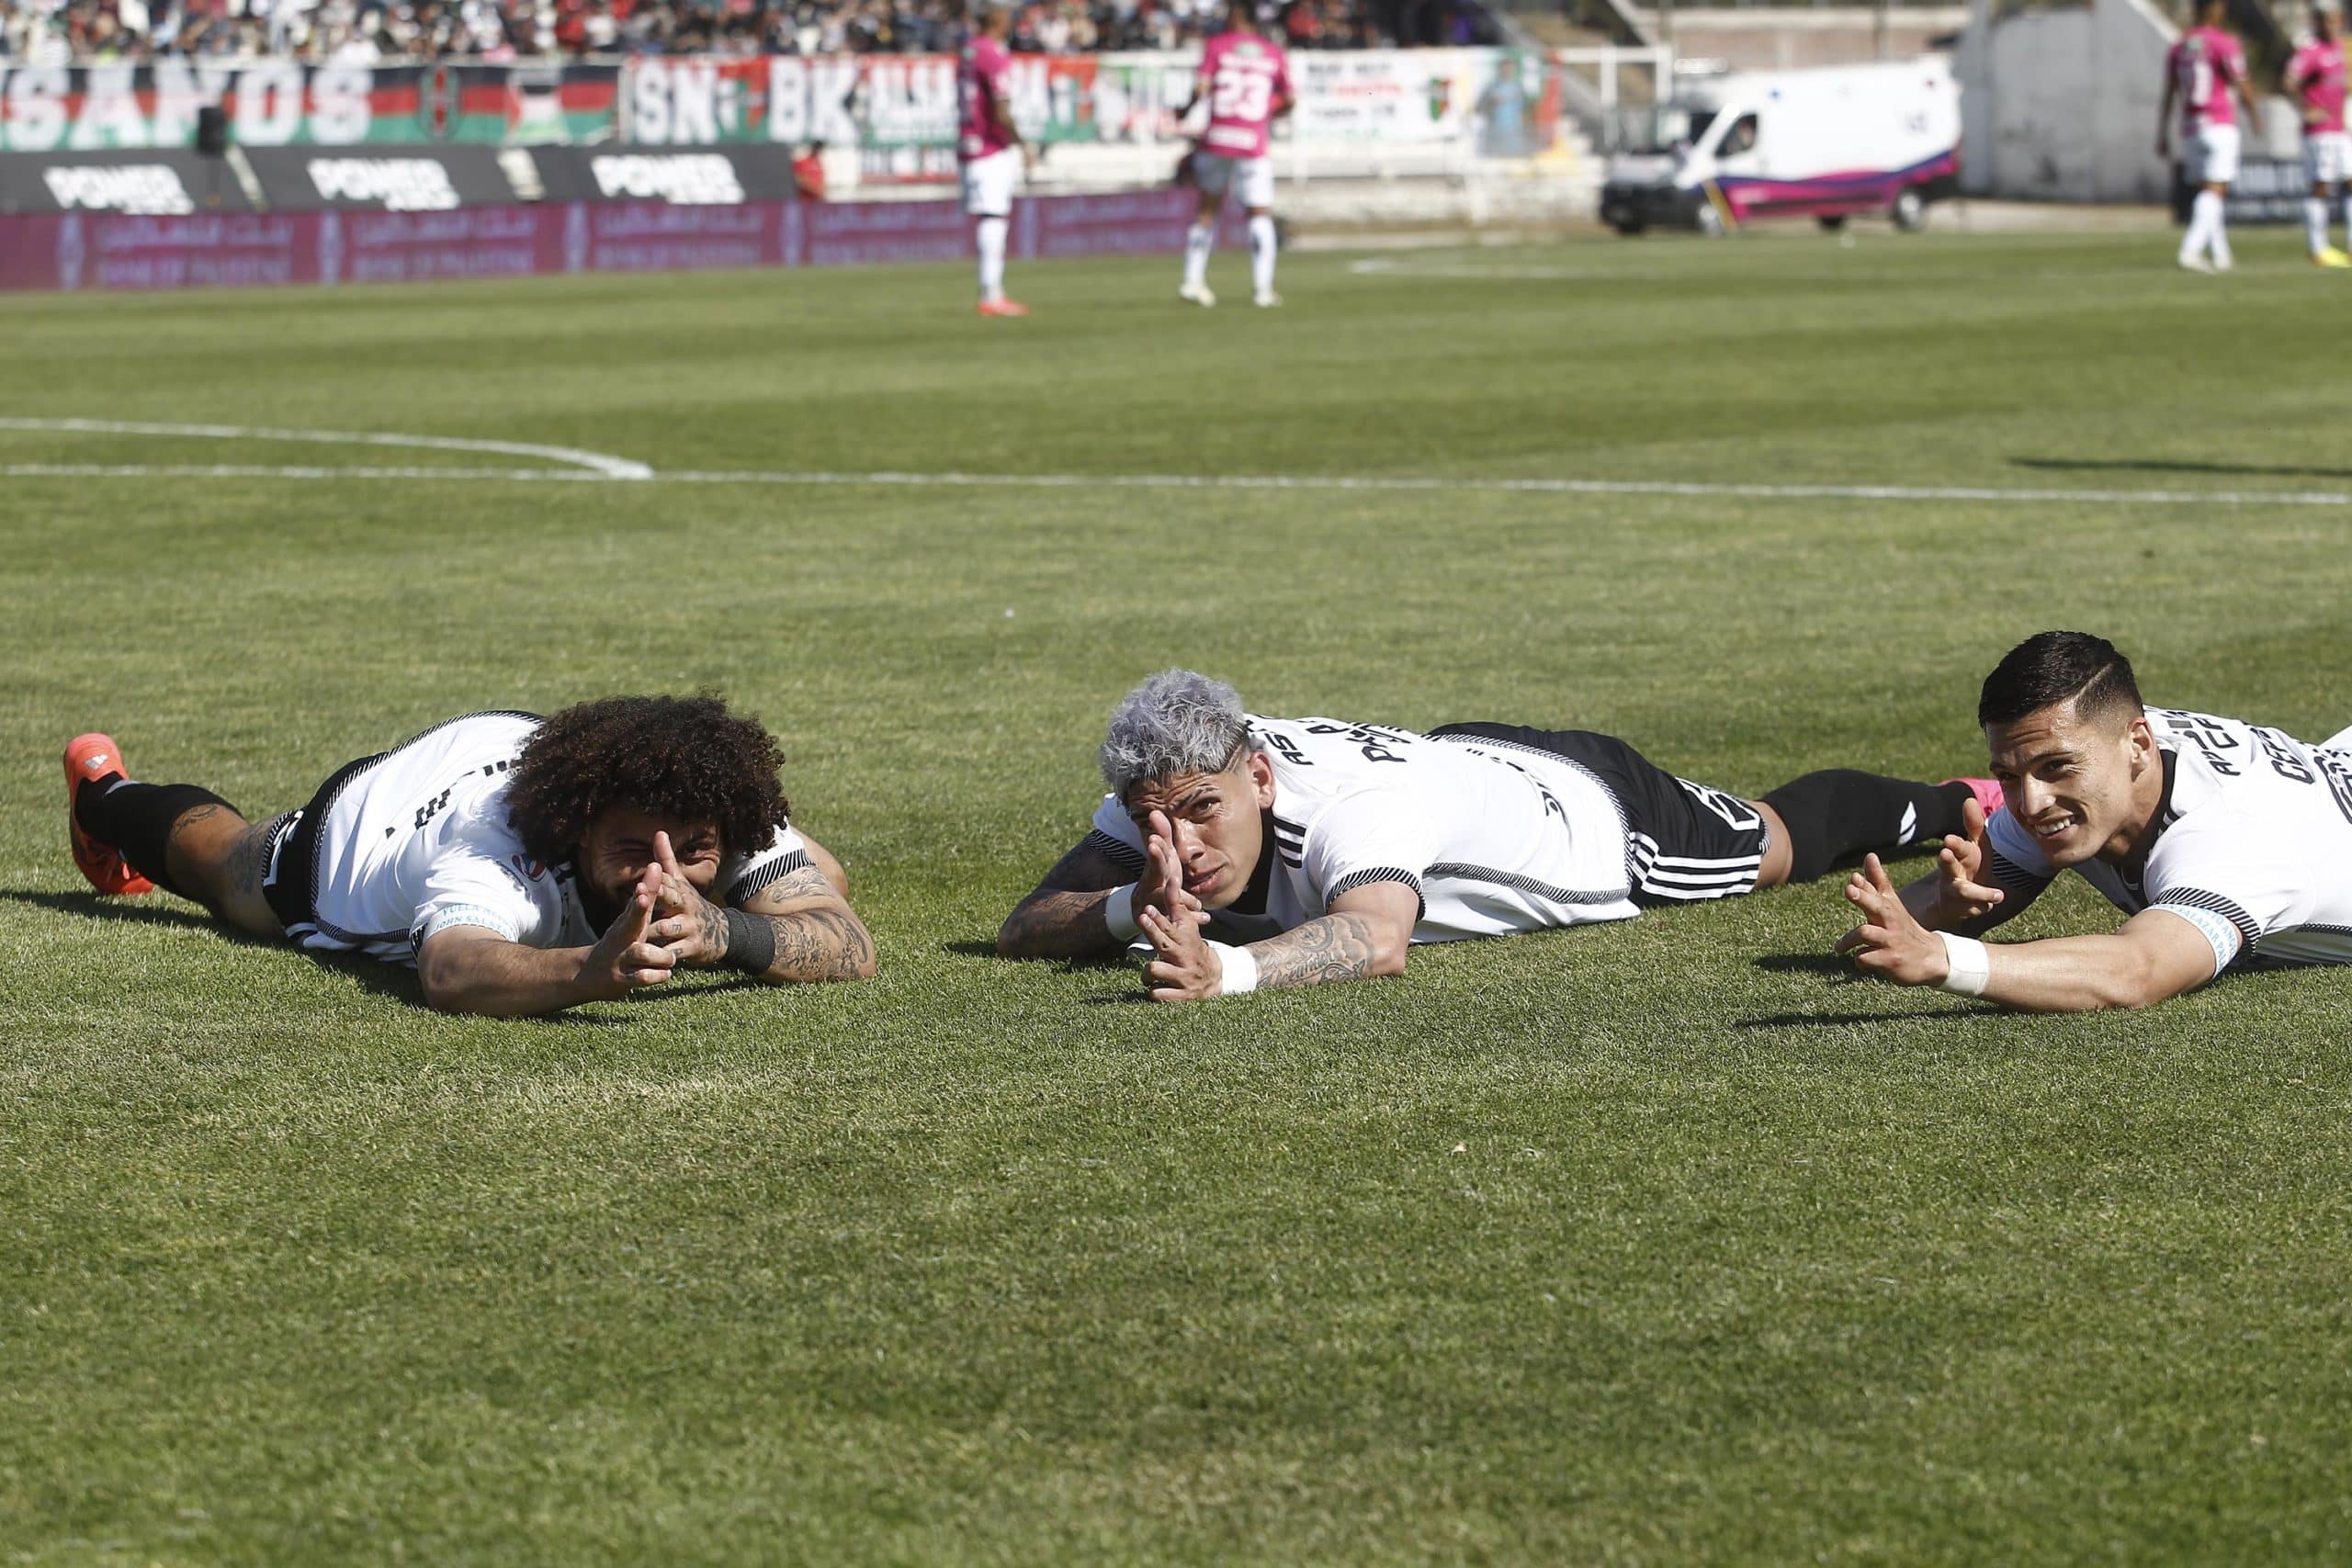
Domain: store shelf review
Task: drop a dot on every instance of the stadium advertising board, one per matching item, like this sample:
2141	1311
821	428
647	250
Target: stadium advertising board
77	250
139	183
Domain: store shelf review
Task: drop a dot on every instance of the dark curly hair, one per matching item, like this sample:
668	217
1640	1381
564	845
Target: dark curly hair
682	757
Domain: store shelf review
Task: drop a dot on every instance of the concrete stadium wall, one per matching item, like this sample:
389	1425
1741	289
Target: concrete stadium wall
1765	38
2061	105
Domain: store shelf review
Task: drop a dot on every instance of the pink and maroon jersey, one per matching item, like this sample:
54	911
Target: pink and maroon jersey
983	83
2205	64
1243	76
2316	78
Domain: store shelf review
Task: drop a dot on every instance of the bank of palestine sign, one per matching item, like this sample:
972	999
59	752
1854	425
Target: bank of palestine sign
46	108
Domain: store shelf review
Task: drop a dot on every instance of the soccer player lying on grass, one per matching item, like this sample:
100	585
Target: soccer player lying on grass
1324	848
2224	841
522	864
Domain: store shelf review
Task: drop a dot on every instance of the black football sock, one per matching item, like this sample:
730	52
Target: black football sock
138	819
1839	813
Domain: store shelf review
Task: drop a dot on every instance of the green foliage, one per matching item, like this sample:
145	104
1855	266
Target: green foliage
1650	1242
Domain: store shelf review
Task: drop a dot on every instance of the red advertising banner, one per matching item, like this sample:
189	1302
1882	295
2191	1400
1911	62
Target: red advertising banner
110	251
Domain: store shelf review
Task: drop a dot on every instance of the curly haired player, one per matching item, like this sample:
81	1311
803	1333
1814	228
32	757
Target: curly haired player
522	864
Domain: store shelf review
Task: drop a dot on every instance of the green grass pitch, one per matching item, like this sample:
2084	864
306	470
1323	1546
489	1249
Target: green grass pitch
1656	1242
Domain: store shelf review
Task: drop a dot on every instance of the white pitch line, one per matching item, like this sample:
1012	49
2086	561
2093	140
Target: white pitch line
1373	485
604	466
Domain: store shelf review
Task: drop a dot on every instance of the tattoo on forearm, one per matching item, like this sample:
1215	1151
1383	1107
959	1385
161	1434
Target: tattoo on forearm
1062	919
820	944
1337	947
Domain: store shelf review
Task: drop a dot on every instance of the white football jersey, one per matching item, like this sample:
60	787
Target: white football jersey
416	840
1494	839
2252	843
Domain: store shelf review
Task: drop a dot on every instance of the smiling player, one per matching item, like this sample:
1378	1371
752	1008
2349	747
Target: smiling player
522	864
1325	849
2225	842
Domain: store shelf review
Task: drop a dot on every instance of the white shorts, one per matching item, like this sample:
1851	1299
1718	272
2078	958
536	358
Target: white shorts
2211	158
990	182
2327	157
1253	177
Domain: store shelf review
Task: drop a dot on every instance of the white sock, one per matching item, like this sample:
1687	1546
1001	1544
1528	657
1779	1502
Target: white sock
1261	252
2192	239
991	246
2217	228
2315	223
1199	241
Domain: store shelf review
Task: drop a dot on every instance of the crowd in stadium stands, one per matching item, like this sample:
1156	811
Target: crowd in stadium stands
367	32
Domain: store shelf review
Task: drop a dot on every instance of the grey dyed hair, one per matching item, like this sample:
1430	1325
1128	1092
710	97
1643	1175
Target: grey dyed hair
1178	722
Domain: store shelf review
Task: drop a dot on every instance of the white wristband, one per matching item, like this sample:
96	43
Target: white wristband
1972	966
1240	969
1119	913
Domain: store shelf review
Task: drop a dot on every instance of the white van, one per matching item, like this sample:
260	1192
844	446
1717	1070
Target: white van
1824	144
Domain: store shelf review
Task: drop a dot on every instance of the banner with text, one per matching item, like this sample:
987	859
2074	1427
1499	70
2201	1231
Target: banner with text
899	110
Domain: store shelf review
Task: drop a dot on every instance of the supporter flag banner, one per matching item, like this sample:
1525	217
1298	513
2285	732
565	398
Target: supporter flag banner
280	103
899	110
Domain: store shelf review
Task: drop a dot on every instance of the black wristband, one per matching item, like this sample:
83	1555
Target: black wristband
750	942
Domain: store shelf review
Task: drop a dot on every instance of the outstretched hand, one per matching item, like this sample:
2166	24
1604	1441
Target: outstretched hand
1889	943
626	958
690	926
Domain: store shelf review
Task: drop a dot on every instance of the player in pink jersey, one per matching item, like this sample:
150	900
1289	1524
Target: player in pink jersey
2314	80
988	148
1245	77
2200	72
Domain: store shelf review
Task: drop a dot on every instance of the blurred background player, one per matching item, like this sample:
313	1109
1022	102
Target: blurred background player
990	150
2315	81
1245	76
2201	72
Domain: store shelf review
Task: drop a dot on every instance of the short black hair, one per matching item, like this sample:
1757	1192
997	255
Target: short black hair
682	757
2049	668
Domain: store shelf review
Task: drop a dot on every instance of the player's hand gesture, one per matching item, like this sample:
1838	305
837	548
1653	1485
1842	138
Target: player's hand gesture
1889	943
1961	892
1187	968
625	958
692	926
1164	873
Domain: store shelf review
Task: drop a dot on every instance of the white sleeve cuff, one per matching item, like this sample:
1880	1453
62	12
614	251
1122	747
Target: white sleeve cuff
1240	969
464	915
1119	912
1971	965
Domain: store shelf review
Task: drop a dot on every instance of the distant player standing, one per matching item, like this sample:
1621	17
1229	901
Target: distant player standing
1245	76
2201	72
2316	80
990	150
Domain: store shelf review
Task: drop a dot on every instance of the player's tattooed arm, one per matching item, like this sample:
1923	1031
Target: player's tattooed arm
1063	917
817	936
1366	934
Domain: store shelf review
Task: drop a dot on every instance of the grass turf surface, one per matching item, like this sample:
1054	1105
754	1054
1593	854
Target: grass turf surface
1647	1243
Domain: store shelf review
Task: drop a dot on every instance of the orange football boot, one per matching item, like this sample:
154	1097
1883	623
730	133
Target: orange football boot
1003	307
93	756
